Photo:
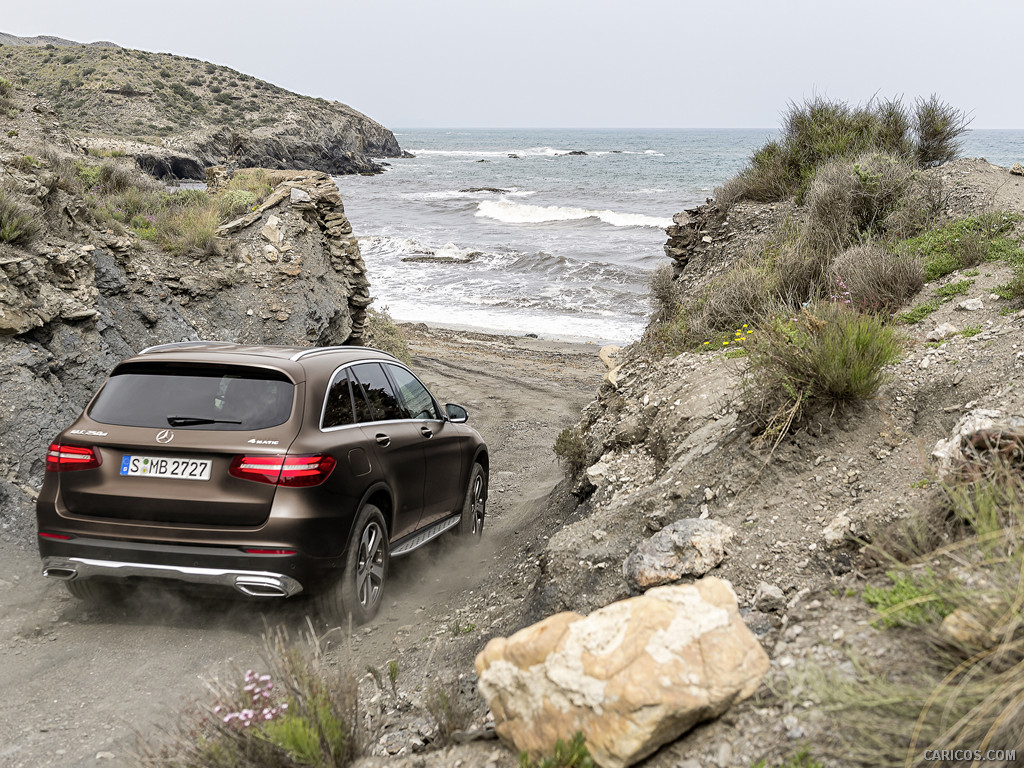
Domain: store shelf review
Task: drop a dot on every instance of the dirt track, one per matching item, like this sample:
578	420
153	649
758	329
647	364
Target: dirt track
79	681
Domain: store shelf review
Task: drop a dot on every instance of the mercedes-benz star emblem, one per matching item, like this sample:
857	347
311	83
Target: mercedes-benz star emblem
164	436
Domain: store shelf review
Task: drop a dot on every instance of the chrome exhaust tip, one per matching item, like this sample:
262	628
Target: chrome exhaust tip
260	586
60	572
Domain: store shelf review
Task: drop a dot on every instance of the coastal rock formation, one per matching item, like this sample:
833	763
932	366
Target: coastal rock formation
78	297
631	676
177	115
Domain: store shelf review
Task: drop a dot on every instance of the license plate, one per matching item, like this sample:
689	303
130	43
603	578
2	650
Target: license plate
181	468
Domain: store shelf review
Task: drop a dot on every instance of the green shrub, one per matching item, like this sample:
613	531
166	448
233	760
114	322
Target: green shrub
874	197
964	243
188	230
939	128
571	754
448	708
666	333
920	312
829	354
820	130
875	279
571	449
912	599
18	224
380	332
958	288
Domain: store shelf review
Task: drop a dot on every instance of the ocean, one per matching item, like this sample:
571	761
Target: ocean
507	231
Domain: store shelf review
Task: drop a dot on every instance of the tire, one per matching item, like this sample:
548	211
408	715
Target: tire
474	508
359	590
91	591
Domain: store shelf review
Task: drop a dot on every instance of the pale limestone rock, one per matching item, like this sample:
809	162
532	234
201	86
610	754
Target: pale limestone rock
942	332
947	452
607	354
631	676
982	626
299	195
689	547
271	231
970	305
1017	169
835	532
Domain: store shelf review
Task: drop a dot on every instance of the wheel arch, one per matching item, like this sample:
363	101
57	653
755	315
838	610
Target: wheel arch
380	495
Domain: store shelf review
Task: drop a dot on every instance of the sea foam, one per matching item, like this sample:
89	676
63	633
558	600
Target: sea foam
520	213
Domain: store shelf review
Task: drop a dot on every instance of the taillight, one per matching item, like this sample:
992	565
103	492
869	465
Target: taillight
58	536
294	471
64	458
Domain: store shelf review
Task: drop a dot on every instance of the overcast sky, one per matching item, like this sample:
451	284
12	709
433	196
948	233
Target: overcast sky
579	63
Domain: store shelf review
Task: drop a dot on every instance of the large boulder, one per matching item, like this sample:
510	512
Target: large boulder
689	547
631	676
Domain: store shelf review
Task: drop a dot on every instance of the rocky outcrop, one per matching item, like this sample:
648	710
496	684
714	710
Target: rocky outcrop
77	298
689	547
631	676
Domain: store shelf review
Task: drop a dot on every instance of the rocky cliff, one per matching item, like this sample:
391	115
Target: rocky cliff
674	484
178	115
76	297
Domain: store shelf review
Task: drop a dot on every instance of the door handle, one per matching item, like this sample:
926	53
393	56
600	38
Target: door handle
426	431
383	439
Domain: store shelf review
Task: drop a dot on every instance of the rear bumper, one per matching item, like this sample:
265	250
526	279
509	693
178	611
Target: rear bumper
255	575
251	583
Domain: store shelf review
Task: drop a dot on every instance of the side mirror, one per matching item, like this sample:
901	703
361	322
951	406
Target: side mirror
456	413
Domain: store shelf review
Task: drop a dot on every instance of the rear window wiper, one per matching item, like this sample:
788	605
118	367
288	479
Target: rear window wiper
192	421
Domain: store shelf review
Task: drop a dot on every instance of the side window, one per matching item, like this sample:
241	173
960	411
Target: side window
415	396
338	408
383	404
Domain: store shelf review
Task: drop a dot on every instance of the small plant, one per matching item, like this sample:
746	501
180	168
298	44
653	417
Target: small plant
448	708
959	288
297	714
571	754
964	242
920	312
393	676
458	628
911	599
18	224
828	354
970	330
571	449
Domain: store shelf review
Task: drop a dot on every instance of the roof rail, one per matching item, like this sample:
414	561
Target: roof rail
319	350
180	345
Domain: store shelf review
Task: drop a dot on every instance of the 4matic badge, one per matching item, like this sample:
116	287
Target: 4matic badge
254	441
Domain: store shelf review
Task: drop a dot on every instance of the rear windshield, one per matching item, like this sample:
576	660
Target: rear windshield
194	397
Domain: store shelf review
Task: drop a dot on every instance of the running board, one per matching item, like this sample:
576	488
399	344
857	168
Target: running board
426	535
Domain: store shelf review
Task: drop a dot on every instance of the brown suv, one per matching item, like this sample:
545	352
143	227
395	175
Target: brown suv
273	470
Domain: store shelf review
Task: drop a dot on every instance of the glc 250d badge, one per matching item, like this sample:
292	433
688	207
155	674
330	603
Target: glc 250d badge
164	436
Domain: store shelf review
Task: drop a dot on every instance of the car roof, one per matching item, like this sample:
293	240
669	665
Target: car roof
293	360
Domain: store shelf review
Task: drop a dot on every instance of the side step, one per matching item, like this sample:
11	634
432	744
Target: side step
417	540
